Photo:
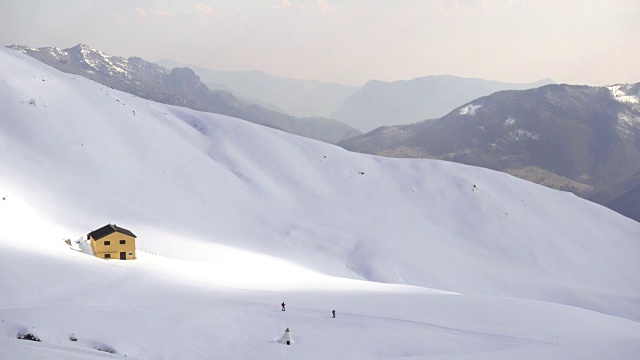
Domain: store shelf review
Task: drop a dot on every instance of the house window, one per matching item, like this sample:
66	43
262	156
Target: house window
107	242
107	256
130	254
122	242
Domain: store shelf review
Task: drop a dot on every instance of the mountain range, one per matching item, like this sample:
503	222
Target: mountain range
574	138
555	136
420	258
292	96
381	103
365	108
179	86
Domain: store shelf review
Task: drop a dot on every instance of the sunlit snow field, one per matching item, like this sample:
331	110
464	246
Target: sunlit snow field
232	219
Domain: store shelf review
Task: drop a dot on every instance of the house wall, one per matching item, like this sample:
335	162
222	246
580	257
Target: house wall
114	248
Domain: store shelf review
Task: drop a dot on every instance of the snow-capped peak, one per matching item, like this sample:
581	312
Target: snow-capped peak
623	93
95	62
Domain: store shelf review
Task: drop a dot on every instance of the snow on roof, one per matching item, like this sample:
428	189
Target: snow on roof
109	229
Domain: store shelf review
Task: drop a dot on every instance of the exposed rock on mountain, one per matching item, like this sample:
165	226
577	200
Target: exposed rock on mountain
180	86
576	138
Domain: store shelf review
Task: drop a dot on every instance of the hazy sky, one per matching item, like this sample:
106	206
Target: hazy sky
591	42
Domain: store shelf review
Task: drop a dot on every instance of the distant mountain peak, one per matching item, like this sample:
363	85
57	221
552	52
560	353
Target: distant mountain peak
578	138
545	81
381	103
80	46
179	86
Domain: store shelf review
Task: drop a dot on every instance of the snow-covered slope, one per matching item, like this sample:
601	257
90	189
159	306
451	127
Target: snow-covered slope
233	218
178	86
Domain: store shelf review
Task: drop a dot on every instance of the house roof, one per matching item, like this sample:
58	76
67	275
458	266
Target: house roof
109	229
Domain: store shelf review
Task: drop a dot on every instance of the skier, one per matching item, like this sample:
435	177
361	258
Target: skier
333	312
283	305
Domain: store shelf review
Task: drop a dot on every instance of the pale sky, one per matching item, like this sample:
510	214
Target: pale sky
594	42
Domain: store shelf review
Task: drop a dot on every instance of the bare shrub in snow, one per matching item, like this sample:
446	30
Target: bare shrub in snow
107	349
27	336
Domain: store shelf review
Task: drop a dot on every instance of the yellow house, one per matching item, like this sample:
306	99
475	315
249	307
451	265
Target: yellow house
113	242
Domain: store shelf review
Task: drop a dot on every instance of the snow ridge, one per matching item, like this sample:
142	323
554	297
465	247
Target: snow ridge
91	59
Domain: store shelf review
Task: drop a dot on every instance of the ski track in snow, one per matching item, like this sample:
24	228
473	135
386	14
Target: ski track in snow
364	319
390	321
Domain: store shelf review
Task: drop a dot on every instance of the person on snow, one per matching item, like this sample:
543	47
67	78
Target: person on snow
333	312
283	305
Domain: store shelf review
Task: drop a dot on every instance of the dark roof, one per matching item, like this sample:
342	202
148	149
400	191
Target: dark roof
108	229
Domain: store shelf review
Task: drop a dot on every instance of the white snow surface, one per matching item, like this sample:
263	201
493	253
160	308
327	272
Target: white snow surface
469	110
621	93
232	219
509	121
520	134
96	59
627	120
